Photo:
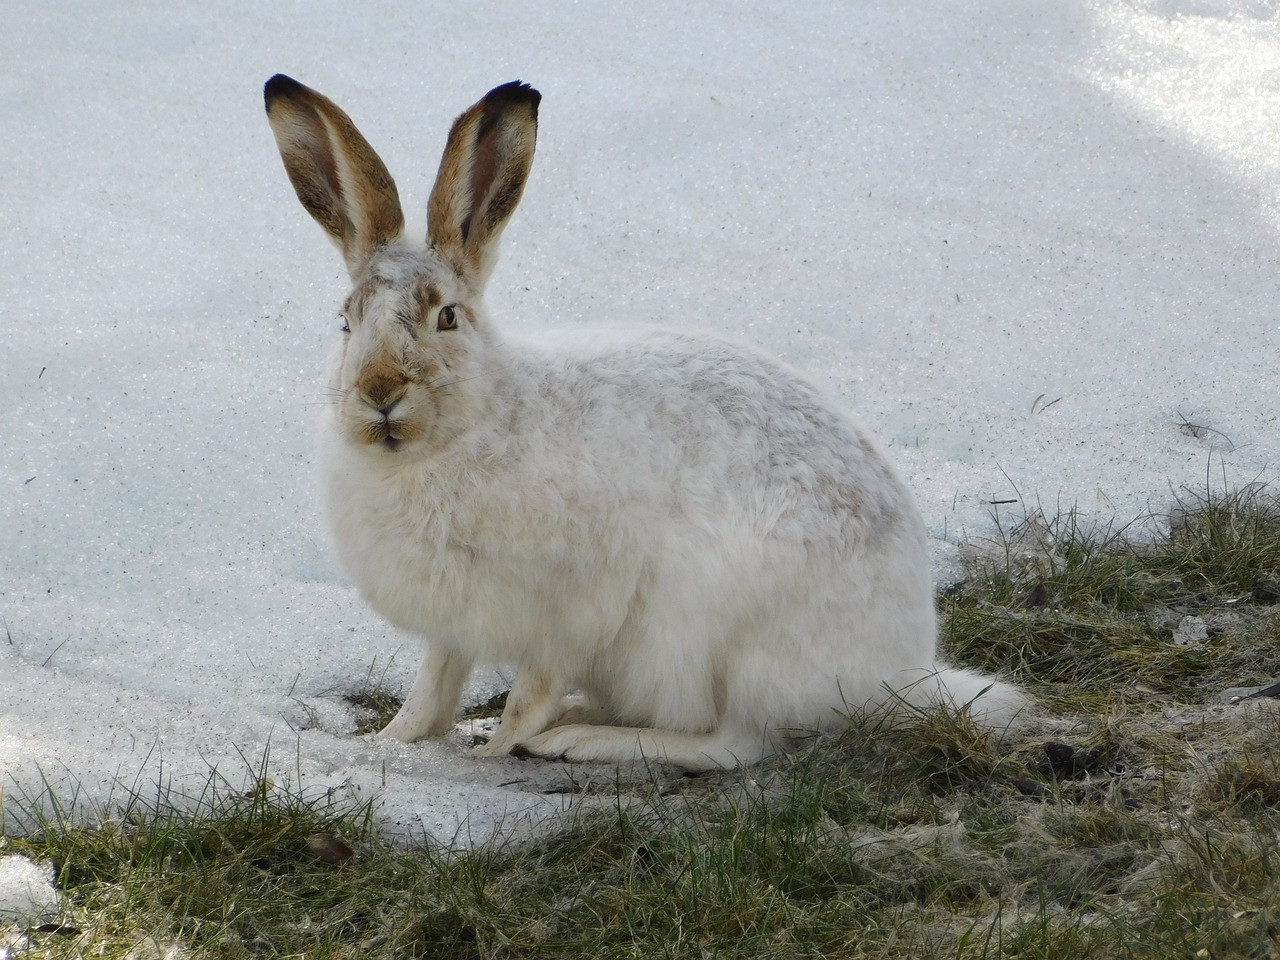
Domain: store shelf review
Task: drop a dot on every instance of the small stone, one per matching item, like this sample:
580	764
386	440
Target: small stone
329	849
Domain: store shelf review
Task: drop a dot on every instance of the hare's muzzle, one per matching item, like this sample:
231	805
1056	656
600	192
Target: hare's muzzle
383	410
382	392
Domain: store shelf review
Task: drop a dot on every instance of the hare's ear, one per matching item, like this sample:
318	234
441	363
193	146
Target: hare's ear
482	175
337	175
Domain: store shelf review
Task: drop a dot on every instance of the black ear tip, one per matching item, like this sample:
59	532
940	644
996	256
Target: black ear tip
513	93
279	86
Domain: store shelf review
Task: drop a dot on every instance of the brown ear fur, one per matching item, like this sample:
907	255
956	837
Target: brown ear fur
338	177
482	176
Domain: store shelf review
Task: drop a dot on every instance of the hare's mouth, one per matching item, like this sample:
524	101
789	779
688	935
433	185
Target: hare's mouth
383	433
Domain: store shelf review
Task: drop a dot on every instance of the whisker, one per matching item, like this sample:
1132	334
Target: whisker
442	382
329	396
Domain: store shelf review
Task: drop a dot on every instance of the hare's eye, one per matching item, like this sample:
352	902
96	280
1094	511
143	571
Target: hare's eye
447	318
346	327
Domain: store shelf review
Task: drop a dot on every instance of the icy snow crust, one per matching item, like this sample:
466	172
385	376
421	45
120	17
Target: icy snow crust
1030	244
27	892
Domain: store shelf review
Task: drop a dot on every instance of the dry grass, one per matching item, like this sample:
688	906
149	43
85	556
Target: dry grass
1091	614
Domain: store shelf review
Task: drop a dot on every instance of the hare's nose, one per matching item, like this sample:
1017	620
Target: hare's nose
383	393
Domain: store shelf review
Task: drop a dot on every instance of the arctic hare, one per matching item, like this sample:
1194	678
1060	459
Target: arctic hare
685	531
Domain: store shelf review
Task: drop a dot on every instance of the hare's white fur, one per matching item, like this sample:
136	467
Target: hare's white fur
683	529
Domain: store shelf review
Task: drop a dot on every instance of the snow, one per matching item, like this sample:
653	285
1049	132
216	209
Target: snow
26	890
1032	245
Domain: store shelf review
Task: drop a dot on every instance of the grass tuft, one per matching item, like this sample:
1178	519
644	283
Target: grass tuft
374	701
1176	608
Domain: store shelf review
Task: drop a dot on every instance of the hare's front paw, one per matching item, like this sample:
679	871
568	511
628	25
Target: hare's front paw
576	709
409	726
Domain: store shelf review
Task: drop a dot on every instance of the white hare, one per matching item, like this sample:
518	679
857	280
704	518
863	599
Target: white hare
684	531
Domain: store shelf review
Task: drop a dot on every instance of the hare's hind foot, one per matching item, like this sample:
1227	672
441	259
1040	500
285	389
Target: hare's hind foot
586	743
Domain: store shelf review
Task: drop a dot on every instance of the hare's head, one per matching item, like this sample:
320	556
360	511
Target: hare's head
414	359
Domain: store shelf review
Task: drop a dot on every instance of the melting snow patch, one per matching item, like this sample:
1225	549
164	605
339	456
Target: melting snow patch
27	892
1191	632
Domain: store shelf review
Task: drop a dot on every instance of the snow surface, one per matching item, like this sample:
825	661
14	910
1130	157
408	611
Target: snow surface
1032	244
27	892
